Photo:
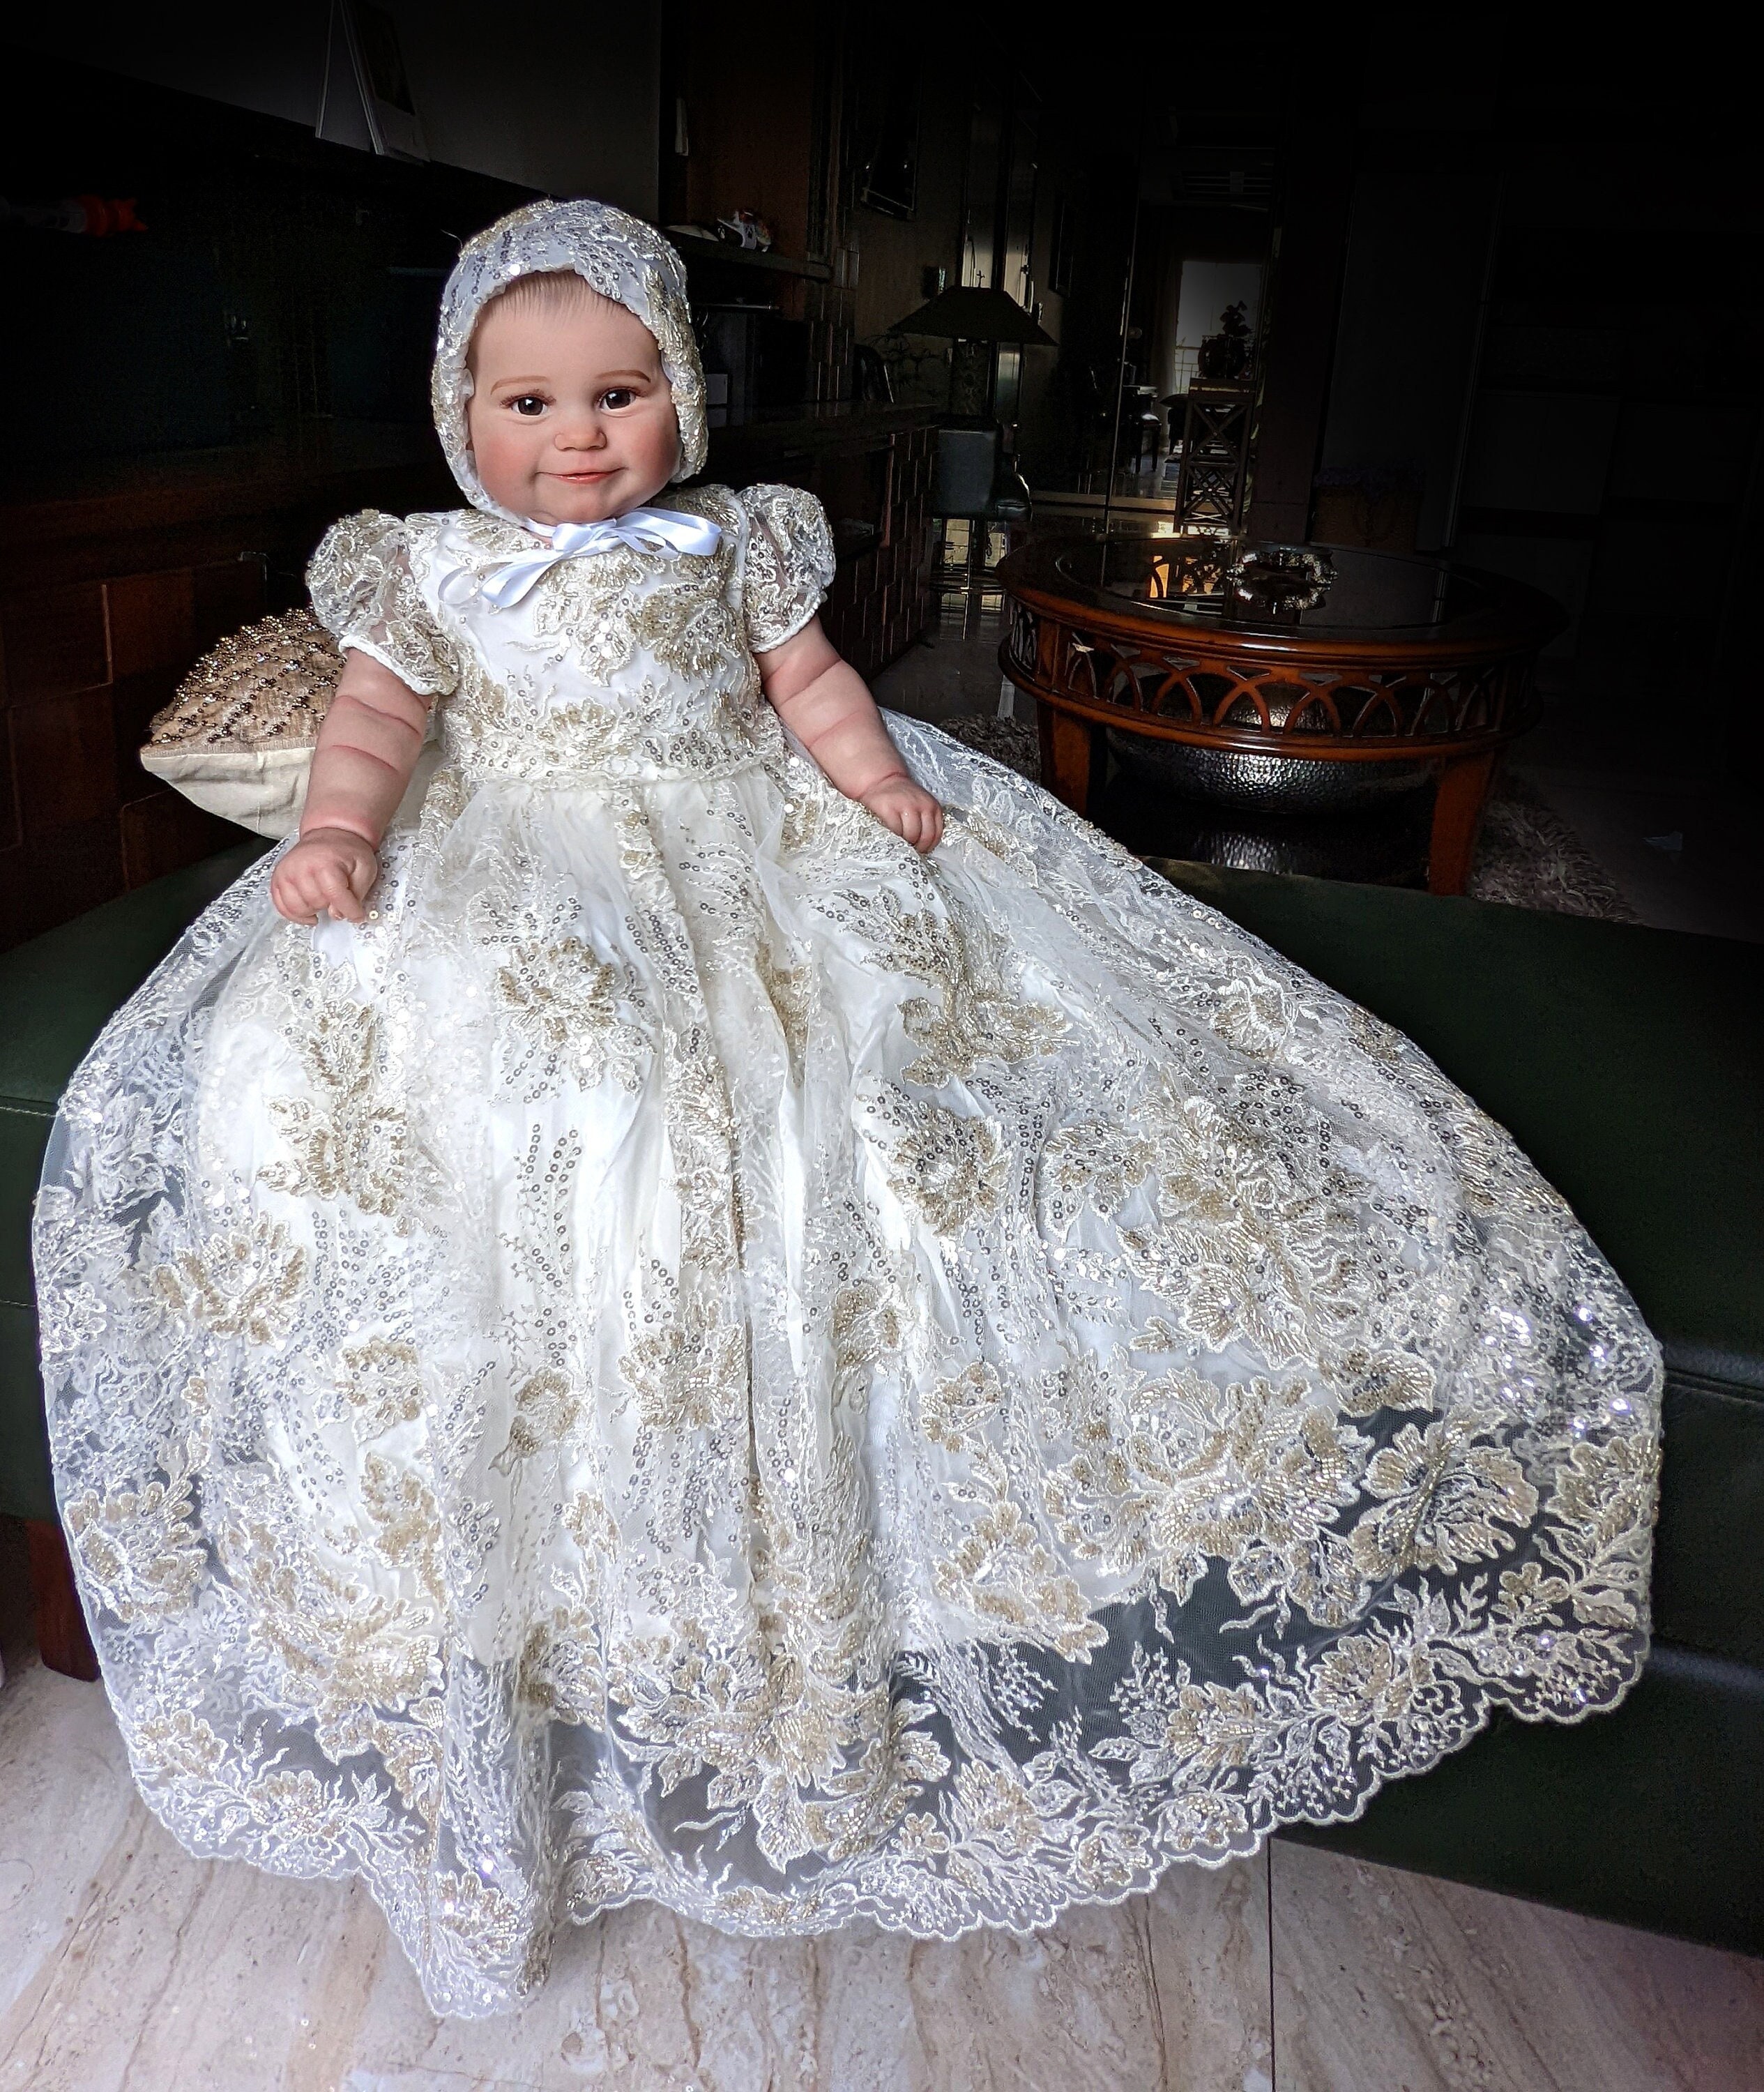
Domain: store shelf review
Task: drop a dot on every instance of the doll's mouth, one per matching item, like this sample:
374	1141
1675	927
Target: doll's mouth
583	478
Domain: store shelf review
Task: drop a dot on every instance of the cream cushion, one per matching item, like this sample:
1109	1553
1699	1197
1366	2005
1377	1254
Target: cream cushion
261	788
237	739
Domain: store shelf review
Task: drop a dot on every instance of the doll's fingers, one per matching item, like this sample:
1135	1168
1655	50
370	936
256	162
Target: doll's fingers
339	896
306	882
289	904
287	892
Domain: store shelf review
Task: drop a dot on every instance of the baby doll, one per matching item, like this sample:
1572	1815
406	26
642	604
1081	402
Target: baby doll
700	1294
571	421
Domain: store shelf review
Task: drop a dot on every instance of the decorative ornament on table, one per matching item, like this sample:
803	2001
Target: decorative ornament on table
1285	579
746	229
97	217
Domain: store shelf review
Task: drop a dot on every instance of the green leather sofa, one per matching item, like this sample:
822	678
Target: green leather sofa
1628	1062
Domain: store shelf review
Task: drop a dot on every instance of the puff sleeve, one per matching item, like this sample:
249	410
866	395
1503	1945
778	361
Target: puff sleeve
366	596
788	563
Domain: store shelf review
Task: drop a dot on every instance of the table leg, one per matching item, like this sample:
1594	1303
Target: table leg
1072	755
1458	803
62	1640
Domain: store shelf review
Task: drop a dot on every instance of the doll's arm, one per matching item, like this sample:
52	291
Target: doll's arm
828	705
366	750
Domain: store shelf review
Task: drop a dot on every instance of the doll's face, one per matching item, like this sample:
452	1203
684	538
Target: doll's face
571	417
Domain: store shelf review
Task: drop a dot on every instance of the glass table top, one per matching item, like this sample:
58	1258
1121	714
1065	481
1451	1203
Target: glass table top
1316	591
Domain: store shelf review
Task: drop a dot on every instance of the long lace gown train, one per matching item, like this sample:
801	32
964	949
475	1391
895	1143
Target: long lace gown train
703	1356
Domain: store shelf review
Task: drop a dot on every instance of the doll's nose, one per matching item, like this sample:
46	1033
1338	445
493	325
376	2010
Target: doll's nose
586	434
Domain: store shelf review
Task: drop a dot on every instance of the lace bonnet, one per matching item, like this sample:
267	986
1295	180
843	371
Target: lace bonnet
618	256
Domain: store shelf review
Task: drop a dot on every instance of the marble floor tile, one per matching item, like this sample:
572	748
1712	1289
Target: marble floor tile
955	669
65	1796
130	1967
127	1966
1386	1982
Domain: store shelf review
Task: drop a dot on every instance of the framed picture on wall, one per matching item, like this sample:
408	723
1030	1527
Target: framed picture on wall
365	38
888	134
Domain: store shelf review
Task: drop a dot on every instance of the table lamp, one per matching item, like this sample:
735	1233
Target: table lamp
965	312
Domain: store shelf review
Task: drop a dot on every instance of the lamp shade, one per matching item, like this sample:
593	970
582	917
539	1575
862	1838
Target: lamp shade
963	313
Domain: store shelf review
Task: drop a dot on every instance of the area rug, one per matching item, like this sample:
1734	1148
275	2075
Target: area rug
1527	857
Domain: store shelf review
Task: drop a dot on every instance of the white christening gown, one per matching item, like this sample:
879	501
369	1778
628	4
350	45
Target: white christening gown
701	1355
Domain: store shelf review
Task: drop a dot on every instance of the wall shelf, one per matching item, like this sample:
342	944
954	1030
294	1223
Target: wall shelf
692	248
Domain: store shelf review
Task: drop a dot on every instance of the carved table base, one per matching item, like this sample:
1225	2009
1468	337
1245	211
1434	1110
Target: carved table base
1444	698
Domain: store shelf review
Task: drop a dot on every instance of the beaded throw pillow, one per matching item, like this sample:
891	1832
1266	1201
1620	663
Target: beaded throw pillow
238	737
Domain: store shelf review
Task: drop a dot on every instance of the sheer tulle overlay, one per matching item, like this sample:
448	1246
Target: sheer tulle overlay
700	1355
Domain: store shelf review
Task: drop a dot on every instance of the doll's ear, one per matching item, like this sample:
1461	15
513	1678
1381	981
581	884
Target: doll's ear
468	388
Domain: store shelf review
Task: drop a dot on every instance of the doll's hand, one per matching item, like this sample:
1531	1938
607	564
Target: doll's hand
330	868
914	815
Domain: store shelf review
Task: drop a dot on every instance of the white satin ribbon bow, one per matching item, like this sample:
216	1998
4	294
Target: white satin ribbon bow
660	530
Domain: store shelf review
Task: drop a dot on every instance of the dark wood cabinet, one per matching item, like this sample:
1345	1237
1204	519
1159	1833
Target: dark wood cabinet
111	593
871	469
85	669
759	106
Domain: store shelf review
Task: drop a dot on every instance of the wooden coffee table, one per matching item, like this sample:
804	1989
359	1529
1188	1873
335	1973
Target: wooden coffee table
1265	671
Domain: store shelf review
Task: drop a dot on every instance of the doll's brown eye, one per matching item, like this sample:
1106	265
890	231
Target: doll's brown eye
618	397
529	404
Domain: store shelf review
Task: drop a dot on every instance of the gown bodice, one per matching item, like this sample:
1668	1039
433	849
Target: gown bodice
622	666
